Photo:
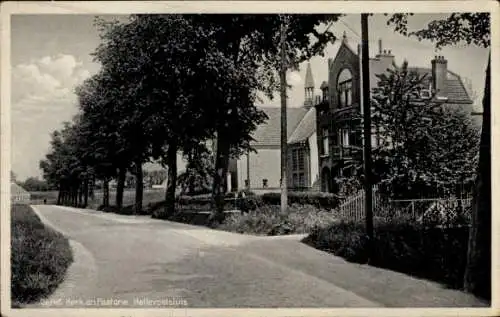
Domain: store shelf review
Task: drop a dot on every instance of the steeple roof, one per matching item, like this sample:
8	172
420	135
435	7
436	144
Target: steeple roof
309	82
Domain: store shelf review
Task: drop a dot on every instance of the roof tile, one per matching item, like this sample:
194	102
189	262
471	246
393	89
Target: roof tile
269	133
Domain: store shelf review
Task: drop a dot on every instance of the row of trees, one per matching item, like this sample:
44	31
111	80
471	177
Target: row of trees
170	84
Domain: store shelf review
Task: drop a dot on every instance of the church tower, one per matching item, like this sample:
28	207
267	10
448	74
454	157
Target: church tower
309	87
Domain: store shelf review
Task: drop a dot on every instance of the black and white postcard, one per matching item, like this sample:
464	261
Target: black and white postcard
260	158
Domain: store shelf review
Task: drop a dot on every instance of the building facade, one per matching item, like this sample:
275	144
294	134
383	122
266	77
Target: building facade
261	170
339	112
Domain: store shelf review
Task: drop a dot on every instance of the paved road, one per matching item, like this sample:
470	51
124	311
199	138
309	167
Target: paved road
129	261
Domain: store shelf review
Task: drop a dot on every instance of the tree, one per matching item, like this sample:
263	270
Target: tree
472	28
199	170
35	184
101	145
250	43
123	54
170	74
425	142
63	166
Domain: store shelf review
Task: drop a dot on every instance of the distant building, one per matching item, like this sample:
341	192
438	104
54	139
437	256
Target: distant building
338	113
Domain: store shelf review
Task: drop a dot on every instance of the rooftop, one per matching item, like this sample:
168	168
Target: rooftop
269	133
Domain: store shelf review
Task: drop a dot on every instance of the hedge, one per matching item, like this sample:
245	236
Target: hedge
269	220
317	199
435	253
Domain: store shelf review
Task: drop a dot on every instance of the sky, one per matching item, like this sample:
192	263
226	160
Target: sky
51	55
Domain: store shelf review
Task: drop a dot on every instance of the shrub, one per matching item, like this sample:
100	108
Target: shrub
269	220
39	257
317	199
436	253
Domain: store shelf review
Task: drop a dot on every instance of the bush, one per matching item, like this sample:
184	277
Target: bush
269	220
204	203
436	253
39	257
317	199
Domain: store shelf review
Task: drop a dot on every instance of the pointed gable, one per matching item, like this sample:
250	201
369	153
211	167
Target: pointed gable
305	128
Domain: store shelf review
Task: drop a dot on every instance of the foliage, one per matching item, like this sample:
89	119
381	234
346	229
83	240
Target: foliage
249	43
34	184
199	171
348	186
424	142
433	253
471	28
39	257
268	220
318	199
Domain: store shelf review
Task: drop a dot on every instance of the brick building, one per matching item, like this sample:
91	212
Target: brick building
338	113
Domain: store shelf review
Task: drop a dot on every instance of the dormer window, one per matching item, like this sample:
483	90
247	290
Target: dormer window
344	88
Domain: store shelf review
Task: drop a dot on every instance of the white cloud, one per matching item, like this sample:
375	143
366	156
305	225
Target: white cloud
47	79
62	66
42	98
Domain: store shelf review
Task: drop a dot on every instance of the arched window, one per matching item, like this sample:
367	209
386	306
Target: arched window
344	88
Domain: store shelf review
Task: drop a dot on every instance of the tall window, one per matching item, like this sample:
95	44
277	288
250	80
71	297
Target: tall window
298	168
302	180
325	142
345	137
344	88
294	160
298	161
300	155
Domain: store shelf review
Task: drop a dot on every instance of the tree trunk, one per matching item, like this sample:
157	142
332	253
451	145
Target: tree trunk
105	193
64	199
74	197
139	187
477	277
76	192
122	173
59	193
80	193
85	192
284	145
92	187
171	180
219	182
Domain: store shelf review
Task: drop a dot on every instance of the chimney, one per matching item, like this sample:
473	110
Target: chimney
439	74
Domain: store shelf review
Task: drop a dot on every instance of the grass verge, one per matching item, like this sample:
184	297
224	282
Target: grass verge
40	257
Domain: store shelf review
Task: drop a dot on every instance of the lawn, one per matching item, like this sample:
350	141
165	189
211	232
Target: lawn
150	196
40	257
